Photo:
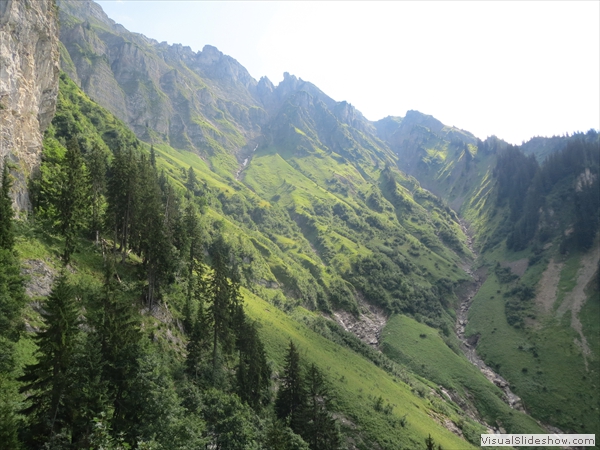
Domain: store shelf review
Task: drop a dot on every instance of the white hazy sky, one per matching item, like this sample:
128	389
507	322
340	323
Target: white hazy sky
513	69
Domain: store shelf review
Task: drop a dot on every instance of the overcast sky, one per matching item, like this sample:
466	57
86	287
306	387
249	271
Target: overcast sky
513	69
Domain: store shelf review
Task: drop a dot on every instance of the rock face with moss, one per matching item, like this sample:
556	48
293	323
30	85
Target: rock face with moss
199	101
205	102
28	83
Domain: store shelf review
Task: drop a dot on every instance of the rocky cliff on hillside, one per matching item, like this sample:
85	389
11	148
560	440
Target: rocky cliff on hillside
204	101
200	101
439	156
28	84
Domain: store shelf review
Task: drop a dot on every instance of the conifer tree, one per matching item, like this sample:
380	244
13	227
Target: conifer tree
199	342
224	300
197	345
122	197
117	326
89	389
281	437
152	157
291	396
150	232
12	295
97	170
48	382
192	182
253	373
72	201
12	300
171	210
430	444
318	427
6	211
194	257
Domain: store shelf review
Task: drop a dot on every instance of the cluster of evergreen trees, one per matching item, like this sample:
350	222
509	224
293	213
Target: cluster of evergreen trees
99	382
127	201
558	195
99	379
304	401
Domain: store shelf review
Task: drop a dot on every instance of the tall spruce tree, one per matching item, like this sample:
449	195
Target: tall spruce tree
152	157
318	427
48	382
12	296
253	373
429	443
73	198
194	260
192	182
7	238
281	437
150	232
123	196
291	396
224	300
117	326
89	390
97	165
199	328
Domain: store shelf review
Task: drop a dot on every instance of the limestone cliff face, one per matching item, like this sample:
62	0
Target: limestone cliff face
205	102
28	83
199	101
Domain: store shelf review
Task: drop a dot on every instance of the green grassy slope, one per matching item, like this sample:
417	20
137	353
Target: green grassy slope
541	359
357	384
421	349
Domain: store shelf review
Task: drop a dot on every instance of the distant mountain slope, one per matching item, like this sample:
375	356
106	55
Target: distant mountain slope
205	102
533	211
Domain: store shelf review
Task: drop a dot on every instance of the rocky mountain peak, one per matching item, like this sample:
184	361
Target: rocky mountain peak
217	65
88	10
413	118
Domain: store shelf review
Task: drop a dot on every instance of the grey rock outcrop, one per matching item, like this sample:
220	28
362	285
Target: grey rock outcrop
204	101
28	84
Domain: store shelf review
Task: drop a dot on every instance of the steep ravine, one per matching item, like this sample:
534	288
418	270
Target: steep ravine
468	345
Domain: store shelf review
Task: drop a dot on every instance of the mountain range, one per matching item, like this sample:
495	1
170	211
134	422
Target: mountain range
446	286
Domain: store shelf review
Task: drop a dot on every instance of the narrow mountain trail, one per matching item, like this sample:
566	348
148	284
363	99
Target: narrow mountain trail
468	345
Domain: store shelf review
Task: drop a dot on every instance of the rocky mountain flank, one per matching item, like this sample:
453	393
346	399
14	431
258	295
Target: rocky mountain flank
196	101
205	101
29	67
